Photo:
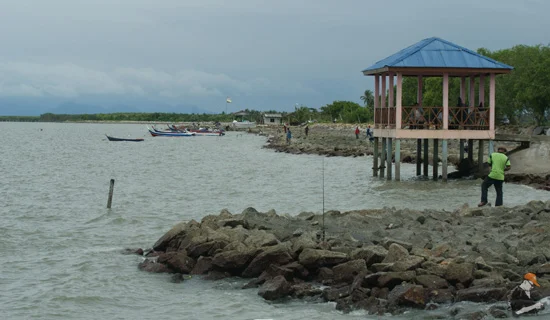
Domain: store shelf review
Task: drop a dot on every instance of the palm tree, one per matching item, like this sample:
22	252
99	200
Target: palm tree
368	99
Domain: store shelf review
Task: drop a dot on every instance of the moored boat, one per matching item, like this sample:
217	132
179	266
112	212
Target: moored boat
156	133
124	139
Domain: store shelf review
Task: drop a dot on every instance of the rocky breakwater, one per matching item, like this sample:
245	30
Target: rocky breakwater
382	261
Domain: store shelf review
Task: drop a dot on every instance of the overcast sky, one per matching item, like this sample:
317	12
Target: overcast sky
263	54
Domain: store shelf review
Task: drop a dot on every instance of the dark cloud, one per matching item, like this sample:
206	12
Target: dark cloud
264	54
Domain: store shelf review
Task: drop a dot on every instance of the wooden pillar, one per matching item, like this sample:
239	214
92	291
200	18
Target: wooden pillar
472	96
463	89
399	100
435	159
383	102
391	97
376	100
481	92
446	101
492	92
397	160
471	150
383	158
444	157
388	160
480	156
426	155
418	157
491	147
375	159
419	91
461	149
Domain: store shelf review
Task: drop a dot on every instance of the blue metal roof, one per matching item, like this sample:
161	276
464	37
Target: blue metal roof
438	53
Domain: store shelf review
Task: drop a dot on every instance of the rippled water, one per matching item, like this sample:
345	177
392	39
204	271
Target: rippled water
60	246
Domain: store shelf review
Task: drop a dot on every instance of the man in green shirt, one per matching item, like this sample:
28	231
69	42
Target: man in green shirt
499	163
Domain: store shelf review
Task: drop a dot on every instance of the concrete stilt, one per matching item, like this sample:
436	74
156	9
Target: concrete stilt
383	153
471	150
461	149
389	160
480	156
418	157
397	160
435	159
444	160
426	156
375	159
491	147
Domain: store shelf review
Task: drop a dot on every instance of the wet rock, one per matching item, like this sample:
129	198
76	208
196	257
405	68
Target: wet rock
301	290
396	252
177	231
325	275
335	293
392	279
347	271
233	223
371	254
177	261
408	295
154	267
321	258
432	281
137	251
217	275
481	294
460	272
275	288
409	263
203	265
233	260
276	255
441	296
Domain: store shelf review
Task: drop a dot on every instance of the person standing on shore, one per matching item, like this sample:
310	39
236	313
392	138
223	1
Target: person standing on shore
357	131
499	163
306	130
288	136
370	134
521	300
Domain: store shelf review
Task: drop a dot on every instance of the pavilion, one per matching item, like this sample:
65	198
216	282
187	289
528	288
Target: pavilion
432	57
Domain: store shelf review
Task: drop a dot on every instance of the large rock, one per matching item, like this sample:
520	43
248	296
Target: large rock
392	279
371	254
203	265
481	294
396	252
177	261
432	281
408	263
275	288
154	267
347	271
260	238
460	273
276	255
408	295
177	231
321	258
233	261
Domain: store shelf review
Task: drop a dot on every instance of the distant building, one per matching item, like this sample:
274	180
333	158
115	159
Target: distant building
273	118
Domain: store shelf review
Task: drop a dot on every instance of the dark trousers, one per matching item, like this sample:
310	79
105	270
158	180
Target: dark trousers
498	188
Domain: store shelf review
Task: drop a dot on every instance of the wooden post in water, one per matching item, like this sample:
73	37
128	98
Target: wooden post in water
388	160
444	159
461	149
435	160
418	157
375	159
397	160
111	188
383	154
426	155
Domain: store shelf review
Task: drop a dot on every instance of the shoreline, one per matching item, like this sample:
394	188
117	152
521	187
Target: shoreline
378	260
333	140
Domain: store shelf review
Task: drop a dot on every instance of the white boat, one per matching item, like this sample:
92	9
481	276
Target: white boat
244	124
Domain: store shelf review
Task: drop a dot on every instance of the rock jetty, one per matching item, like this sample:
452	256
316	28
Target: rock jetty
382	261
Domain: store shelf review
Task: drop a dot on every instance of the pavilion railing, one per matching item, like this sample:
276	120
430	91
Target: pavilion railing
385	117
460	118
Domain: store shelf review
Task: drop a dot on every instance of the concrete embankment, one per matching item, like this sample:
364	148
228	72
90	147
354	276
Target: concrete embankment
383	260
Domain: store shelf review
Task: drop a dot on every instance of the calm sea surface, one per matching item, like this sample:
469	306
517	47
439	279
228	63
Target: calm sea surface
60	247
